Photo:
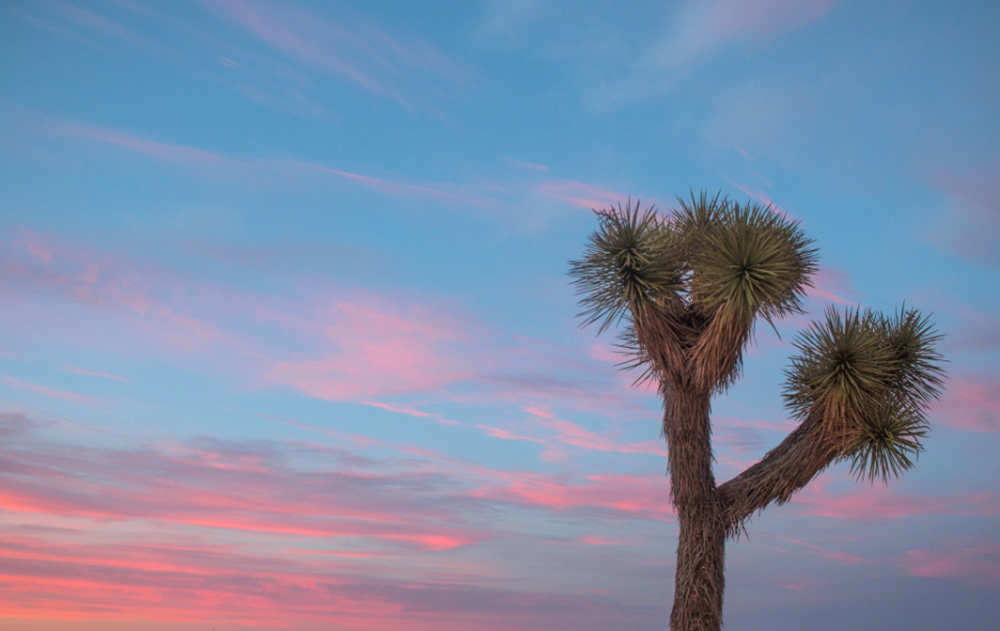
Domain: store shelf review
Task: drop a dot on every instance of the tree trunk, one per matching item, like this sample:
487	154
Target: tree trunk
699	580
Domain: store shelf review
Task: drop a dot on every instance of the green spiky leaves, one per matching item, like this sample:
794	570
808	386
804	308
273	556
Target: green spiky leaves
888	443
912	338
746	260
843	365
871	378
691	283
632	261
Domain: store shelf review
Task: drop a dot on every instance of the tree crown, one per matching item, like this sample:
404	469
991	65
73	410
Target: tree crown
689	286
699	275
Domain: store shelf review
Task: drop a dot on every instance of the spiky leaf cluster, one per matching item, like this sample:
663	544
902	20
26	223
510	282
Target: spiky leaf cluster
696	217
912	338
630	262
843	365
888	442
871	378
746	260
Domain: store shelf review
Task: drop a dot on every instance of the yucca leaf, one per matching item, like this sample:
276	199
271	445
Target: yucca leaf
889	441
632	260
913	339
748	260
843	365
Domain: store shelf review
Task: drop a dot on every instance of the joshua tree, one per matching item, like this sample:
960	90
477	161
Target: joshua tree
689	286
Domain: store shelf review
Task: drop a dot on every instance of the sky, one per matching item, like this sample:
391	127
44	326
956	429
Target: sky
287	338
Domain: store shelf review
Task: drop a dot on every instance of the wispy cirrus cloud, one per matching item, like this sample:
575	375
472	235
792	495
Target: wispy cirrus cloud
560	433
694	32
503	434
977	563
580	194
845	558
205	524
360	52
594	540
330	342
700	29
572	434
183	155
971	402
46	391
94	373
538	167
635	496
399	409
199	582
15	423
372	347
548	196
831	285
203	161
91	21
972	214
220	486
78	275
879	503
763	198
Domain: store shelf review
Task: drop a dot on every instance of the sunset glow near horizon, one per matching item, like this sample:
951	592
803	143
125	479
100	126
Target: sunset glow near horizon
287	338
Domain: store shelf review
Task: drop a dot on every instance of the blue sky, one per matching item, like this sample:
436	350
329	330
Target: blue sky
286	335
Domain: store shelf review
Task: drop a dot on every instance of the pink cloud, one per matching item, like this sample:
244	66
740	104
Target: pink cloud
376	348
232	488
645	497
570	433
355	347
763	198
117	288
340	541
879	503
799	586
978	564
326	342
396	408
845	558
829	285
291	172
976	329
971	403
277	171
592	540
180	154
539	374
37	248
579	194
94	373
88	582
972	212
613	356
398	188
539	411
497	432
65	395
567	433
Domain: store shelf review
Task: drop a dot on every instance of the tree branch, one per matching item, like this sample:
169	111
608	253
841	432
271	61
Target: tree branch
791	465
717	354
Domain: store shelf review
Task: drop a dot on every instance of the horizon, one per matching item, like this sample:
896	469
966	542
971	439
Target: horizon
287	336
